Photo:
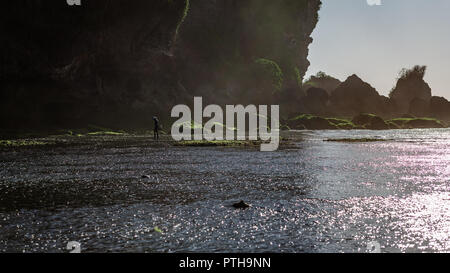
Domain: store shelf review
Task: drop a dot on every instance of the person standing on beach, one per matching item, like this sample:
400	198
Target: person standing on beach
156	128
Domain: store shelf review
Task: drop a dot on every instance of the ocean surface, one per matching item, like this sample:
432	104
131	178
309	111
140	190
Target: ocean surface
315	196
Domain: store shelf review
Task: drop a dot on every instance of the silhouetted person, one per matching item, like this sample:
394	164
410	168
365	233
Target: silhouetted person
156	128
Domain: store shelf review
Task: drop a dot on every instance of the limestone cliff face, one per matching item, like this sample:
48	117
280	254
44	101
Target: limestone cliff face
119	62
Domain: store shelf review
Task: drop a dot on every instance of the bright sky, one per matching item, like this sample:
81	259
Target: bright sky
377	41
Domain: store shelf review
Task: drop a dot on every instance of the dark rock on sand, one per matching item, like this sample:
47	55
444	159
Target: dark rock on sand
241	205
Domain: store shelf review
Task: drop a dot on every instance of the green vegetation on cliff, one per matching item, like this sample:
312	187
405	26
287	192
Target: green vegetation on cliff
274	70
183	16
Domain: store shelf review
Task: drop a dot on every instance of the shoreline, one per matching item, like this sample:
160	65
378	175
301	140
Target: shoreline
298	123
288	138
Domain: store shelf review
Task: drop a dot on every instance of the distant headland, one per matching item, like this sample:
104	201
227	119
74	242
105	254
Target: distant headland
359	106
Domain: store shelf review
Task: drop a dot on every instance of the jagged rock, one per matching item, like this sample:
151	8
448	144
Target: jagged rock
355	96
410	86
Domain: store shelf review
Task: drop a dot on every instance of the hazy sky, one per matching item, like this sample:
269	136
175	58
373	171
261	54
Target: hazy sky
376	42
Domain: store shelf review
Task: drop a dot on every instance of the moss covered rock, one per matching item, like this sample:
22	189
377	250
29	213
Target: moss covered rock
370	121
311	122
417	123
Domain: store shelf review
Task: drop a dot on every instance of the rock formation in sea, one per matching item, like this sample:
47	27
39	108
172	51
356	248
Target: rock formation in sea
412	93
354	96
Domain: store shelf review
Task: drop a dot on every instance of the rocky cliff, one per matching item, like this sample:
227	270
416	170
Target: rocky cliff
354	96
117	63
412	94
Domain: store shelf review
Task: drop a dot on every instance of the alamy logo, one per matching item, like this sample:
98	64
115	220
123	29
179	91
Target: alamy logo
374	2
74	2
216	130
374	247
74	247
